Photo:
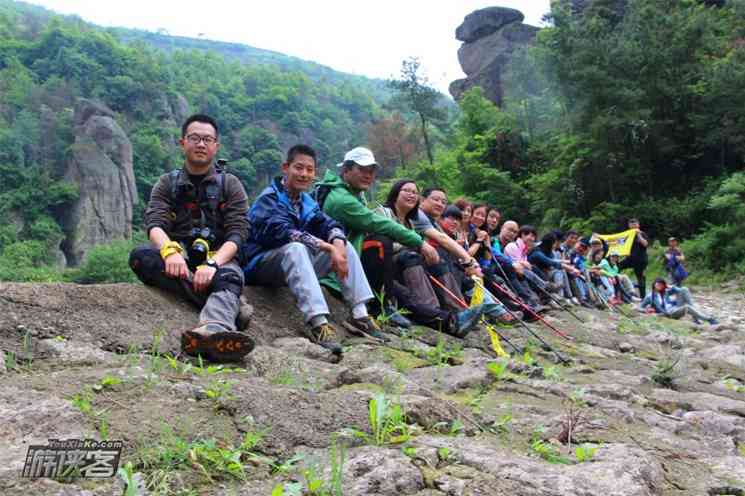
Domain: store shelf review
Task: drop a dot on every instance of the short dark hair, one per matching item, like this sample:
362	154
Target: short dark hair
429	191
462	203
633	220
527	229
570	232
206	119
452	211
300	149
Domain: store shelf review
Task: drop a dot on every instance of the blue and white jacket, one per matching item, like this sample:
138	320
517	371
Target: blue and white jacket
275	220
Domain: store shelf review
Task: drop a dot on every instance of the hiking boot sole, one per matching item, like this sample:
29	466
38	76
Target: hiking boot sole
217	346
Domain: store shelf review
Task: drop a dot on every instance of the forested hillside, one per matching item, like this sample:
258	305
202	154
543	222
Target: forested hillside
264	102
616	110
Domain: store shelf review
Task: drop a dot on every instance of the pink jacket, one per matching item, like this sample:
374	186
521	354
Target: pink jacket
517	251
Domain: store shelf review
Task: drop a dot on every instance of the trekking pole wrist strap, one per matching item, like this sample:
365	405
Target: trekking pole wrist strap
169	248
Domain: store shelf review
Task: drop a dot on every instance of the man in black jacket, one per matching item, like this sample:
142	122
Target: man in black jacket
638	258
196	220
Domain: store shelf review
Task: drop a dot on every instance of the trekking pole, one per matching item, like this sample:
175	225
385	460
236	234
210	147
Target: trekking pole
598	294
531	312
465	306
532	333
563	307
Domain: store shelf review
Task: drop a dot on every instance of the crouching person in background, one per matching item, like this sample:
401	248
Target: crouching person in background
292	242
196	220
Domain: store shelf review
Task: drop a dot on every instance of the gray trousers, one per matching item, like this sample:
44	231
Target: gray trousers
218	304
684	306
295	266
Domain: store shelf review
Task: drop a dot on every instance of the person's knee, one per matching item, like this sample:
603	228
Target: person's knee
408	259
146	262
295	248
228	280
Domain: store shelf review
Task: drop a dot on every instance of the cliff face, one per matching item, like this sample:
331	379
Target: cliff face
101	166
490	36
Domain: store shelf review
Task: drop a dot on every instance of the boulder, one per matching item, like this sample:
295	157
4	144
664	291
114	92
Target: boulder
483	22
101	166
491	37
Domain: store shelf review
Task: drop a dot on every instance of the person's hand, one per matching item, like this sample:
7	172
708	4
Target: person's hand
527	265
429	253
339	263
203	278
518	268
481	236
176	266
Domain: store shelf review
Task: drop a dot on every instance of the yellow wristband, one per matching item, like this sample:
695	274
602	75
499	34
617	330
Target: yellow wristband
169	248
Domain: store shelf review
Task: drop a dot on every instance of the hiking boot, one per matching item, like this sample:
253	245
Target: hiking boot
216	344
396	319
467	320
245	312
541	308
575	301
365	327
325	335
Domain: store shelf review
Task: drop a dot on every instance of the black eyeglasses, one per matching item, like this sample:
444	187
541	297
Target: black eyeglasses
194	139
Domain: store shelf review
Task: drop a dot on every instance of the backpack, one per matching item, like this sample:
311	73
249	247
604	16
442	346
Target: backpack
320	193
207	206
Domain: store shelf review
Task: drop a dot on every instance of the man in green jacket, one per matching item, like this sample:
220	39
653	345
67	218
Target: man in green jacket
342	198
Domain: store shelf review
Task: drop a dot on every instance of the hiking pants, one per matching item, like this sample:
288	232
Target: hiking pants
414	292
606	287
377	262
684	306
219	304
639	267
295	266
561	279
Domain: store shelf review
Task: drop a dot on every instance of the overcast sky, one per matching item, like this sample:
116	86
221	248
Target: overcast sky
361	37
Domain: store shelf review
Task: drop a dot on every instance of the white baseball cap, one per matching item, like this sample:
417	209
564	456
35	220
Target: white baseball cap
360	156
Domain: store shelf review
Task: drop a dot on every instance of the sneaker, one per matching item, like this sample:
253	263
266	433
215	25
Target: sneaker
365	327
575	301
554	305
216	344
713	321
586	304
325	335
467	320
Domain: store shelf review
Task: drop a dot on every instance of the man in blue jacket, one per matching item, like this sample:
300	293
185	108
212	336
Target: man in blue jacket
291	241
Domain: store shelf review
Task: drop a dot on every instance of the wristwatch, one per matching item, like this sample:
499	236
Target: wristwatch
211	263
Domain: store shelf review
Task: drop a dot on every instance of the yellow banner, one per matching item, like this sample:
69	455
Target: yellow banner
477	299
619	243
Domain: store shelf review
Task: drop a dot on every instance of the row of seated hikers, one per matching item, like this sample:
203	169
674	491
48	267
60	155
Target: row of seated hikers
415	255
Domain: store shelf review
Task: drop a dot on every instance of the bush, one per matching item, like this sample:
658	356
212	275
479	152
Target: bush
107	263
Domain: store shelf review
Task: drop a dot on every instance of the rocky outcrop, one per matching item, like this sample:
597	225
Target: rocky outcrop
101	166
490	37
93	361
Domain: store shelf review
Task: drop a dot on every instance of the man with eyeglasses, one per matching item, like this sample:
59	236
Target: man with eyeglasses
196	220
372	235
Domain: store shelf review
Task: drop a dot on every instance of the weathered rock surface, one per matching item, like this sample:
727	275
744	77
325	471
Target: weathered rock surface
89	361
490	37
101	167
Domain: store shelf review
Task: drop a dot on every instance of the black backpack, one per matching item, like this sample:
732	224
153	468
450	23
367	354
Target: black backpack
320	193
205	207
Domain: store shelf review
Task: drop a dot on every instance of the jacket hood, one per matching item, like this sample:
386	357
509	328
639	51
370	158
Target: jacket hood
331	179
